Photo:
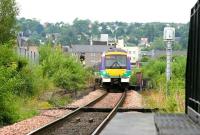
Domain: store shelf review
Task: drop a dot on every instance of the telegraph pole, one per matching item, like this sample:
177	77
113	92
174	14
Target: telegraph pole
169	38
169	60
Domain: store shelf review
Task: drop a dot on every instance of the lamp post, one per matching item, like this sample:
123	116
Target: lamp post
169	38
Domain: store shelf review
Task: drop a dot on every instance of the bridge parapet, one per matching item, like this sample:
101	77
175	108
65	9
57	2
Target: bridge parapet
193	66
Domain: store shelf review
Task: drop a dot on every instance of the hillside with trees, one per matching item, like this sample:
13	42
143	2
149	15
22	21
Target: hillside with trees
79	32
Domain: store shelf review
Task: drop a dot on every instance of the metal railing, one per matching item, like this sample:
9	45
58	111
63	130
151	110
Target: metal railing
193	65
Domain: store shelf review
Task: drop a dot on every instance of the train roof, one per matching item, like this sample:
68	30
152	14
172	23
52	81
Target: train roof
116	50
88	48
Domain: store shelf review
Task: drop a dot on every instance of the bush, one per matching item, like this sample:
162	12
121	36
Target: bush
23	83
154	71
17	83
64	70
145	59
8	109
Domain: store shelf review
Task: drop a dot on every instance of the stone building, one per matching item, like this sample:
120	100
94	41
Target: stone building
92	53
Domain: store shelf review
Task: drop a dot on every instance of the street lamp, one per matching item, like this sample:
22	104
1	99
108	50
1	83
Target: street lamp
169	38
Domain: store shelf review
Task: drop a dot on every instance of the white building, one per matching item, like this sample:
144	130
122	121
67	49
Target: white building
133	51
144	42
104	37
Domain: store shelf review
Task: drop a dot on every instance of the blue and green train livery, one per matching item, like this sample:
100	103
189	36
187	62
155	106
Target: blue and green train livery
115	67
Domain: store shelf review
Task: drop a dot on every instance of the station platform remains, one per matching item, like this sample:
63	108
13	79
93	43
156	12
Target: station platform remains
136	123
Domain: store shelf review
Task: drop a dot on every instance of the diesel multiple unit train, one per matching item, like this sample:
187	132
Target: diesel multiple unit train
115	68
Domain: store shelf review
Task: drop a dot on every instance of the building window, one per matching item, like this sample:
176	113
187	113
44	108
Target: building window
92	54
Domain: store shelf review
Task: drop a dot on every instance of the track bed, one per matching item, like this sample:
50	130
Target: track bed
83	123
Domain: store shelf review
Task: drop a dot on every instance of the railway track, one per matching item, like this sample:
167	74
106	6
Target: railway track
82	120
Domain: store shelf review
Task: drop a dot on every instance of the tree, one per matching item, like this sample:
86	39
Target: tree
82	26
158	44
8	13
79	32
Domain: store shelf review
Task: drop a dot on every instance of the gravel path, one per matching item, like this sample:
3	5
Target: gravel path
133	100
28	125
109	101
46	116
87	99
54	113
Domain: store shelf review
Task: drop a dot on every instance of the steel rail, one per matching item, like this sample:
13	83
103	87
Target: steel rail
110	115
57	121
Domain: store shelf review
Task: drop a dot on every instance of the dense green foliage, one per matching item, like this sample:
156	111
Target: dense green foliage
8	13
16	81
22	83
64	70
79	32
155	73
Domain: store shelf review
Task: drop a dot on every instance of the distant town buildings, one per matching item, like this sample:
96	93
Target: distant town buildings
144	42
104	37
133	51
92	53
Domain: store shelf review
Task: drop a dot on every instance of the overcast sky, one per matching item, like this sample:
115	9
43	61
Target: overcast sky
107	10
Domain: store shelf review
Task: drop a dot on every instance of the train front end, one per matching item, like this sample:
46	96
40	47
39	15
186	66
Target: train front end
115	68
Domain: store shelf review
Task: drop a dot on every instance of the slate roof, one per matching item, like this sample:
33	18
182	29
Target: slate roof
89	48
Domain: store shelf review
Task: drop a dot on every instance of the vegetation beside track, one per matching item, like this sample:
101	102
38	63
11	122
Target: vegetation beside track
24	85
155	94
65	71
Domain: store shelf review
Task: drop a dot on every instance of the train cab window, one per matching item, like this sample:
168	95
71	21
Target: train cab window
116	61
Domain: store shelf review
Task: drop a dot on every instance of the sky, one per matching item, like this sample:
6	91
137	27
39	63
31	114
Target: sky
177	11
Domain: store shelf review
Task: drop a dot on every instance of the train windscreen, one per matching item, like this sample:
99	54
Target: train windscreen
116	61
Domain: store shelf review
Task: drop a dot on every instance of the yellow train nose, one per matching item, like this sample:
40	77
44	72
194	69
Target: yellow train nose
115	72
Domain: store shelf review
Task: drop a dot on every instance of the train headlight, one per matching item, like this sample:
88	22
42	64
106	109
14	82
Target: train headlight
125	80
